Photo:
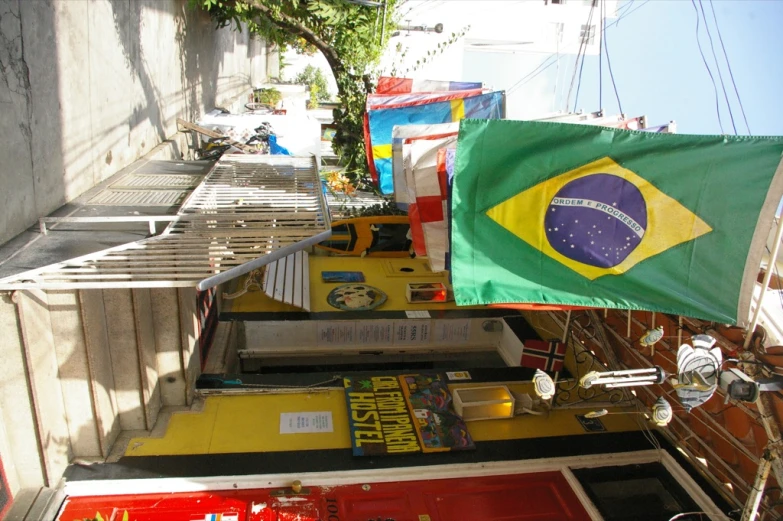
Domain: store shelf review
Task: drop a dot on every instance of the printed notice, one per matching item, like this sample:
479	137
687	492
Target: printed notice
299	422
336	333
452	331
374	332
417	314
412	331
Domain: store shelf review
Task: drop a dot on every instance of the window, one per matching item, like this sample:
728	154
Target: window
587	33
643	492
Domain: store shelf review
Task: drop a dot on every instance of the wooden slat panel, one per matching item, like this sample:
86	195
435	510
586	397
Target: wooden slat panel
280	280
298	279
290	275
306	281
269	284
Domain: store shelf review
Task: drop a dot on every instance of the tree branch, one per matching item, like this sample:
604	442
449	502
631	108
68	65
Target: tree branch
289	23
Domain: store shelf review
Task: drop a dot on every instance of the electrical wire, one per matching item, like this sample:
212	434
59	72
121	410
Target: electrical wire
514	86
717	65
712	78
544	65
679	516
579	83
728	65
625	8
601	58
585	41
611	73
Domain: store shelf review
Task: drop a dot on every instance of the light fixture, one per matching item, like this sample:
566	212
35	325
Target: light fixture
543	385
483	403
697	371
627	378
661	413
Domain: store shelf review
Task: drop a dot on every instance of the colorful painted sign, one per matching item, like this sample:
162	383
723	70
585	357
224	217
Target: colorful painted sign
438	426
378	416
401	415
342	276
355	297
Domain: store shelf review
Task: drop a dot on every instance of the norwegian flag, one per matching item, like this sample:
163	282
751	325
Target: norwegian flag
544	355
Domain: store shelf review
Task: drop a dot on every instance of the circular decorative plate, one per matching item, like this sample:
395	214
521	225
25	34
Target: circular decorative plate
356	297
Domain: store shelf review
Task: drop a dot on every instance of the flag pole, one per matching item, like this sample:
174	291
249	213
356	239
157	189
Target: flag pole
629	324
679	331
565	338
567	324
773	259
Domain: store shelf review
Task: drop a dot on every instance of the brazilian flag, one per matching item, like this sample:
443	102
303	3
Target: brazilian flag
555	213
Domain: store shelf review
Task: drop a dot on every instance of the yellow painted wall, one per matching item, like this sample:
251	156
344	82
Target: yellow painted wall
251	423
248	423
383	273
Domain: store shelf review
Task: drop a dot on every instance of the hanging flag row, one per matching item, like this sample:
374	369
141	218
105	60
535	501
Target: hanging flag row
550	215
395	105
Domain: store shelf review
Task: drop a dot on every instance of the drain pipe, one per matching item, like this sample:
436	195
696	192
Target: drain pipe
773	259
751	509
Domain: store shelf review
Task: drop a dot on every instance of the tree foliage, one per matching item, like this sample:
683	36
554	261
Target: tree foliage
316	82
351	36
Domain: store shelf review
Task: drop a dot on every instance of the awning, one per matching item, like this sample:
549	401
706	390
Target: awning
248	211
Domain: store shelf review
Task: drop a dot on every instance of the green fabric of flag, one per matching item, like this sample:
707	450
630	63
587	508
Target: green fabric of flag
555	213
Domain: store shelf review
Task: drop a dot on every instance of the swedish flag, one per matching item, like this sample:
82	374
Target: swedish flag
554	213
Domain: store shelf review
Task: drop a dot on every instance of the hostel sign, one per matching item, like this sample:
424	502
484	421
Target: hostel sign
379	418
390	415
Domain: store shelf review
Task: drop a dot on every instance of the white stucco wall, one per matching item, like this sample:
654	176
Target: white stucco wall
90	86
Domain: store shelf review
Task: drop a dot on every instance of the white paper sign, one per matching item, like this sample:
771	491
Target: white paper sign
456	331
374	332
298	422
412	331
336	333
418	314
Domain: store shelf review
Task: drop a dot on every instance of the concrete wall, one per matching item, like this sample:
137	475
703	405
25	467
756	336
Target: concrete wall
88	87
79	367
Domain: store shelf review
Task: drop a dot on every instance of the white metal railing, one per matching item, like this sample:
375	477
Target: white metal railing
249	210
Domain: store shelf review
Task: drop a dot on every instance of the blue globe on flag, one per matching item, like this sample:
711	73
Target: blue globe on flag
598	220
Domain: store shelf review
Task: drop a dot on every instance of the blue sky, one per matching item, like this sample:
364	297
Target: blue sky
659	71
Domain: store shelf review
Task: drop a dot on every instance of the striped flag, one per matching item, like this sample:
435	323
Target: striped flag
383	121
402	137
429	190
399	100
386	101
391	85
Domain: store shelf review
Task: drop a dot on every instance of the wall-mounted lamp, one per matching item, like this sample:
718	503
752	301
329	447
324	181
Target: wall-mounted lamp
483	403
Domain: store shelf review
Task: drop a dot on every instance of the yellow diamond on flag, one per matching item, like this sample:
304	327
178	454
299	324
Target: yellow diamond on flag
599	219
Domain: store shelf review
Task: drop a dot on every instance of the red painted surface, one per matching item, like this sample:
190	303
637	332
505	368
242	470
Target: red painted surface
524	497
